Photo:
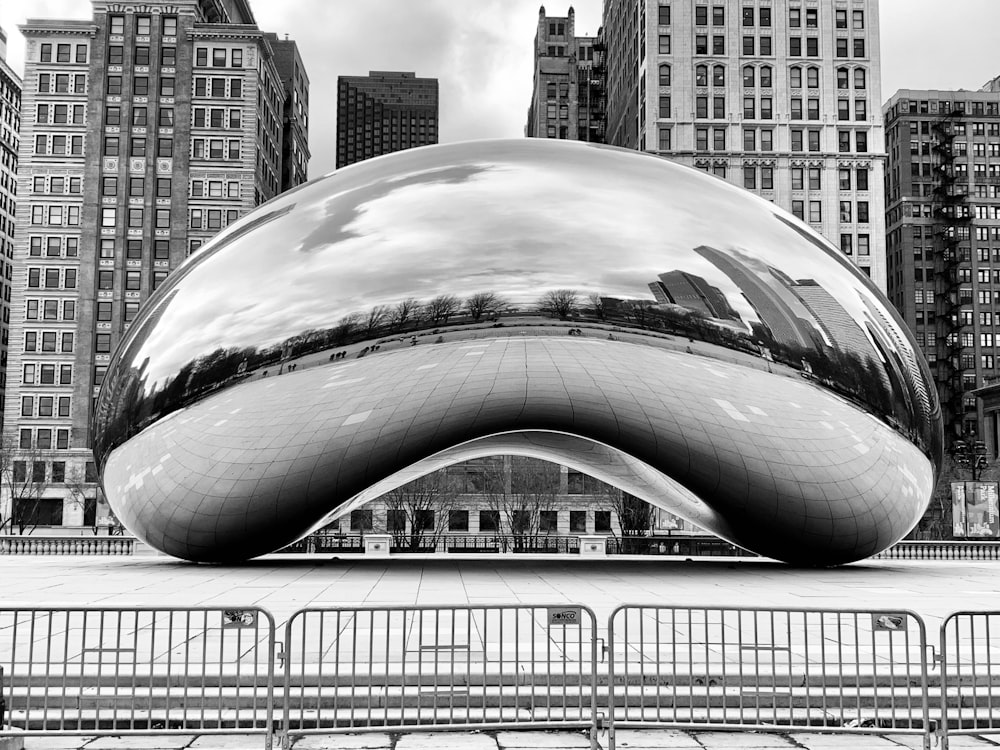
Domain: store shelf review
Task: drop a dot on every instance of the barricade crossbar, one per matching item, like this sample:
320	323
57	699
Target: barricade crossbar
970	673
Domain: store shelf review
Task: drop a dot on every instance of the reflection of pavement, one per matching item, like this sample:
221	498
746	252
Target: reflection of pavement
257	464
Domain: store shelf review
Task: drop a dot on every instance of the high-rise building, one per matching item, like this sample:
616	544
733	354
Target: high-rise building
384	112
10	126
295	113
943	237
568	96
778	96
145	131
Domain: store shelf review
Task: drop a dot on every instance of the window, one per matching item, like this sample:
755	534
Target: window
845	212
843	109
700	45
860	110
111	145
796	140
143	25
719	139
361	520
718	45
116	54
167	86
749	46
166	117
664	44
719	107
201	57
719	75
840	19
701	107
749	76
664	78
701	15
859	78
815	178
750	178
140	85
859	47
765	45
858	19
168	56
45	55
812	46
665	138
796	109
843	141
141	56
862	212
861	142
165	147
863	244
844	179
718	15
795	46
815	212
701	139
841	48
105	279
812	77
765	16
138	147
766	140
701	75
602	521
749	139
458	520
765	108
847	244
862	178
795	77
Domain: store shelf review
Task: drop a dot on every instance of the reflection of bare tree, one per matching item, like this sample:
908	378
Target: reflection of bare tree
442	307
561	302
638	311
597	301
375	318
519	499
483	303
404	312
345	327
418	512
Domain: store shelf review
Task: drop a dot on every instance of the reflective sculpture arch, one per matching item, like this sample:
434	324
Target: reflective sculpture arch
644	322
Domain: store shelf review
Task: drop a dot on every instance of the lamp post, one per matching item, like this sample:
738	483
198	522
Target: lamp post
971	454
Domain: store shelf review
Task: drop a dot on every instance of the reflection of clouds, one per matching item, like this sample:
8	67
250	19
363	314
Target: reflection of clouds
516	218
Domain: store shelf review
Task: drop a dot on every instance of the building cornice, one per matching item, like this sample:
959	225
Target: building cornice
50	27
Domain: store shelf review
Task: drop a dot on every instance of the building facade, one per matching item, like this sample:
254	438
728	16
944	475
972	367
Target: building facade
778	96
384	112
145	131
568	96
943	239
10	127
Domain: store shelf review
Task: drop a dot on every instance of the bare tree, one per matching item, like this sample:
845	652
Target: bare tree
561	302
404	312
639	311
519	490
442	307
421	510
22	484
483	303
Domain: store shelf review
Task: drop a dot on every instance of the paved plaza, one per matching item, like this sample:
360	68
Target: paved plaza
285	583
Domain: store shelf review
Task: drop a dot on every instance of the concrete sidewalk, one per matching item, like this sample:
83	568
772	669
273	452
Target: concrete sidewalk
644	739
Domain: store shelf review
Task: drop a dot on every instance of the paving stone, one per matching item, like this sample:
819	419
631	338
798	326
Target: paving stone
50	743
363	741
539	740
138	742
446	741
742	740
834	741
955	742
228	742
653	739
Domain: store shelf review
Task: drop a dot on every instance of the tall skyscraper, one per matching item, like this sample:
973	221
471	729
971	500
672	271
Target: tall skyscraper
568	98
145	131
295	112
384	112
779	97
943	240
10	126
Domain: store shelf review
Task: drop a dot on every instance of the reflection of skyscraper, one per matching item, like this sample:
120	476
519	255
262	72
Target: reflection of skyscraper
694	293
840	329
774	312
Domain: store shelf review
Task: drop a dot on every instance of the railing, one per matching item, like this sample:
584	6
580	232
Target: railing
458	543
942	550
694	546
138	670
211	670
13	544
446	667
761	668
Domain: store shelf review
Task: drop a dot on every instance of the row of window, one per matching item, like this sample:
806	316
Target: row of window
52	278
844	48
55	215
215	189
218	88
49	309
133	281
41	439
35	373
141	55
59	114
221	57
135	216
62	83
959	148
47	341
136	186
762	17
134	249
53	246
113	116
815	214
980	129
212	218
140	86
45	406
57	144
218	118
105	312
216	148
847	243
799	139
64	53
142	25
56	185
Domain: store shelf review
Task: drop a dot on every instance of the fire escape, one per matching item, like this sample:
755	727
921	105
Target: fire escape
593	92
951	226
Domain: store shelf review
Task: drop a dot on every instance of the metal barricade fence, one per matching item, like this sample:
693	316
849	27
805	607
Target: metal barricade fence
138	670
765	669
446	667
970	673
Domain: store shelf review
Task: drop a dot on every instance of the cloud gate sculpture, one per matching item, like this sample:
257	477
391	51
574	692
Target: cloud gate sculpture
644	322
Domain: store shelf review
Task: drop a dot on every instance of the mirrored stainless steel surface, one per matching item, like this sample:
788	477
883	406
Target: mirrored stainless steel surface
610	310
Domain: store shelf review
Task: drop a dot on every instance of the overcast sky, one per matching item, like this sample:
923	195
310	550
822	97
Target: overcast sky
481	50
